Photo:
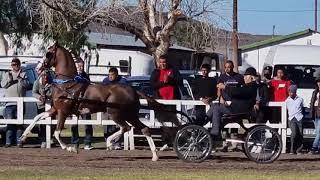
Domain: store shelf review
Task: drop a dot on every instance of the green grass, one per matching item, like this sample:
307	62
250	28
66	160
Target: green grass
132	174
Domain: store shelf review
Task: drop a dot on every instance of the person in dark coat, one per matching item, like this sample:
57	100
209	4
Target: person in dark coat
165	82
315	113
243	99
263	97
113	78
205	89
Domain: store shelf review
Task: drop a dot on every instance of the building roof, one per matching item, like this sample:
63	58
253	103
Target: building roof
122	40
276	40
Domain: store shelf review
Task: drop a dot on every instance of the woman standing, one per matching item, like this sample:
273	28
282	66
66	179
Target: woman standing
315	110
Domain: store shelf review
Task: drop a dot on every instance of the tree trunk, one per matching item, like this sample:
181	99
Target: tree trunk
3	45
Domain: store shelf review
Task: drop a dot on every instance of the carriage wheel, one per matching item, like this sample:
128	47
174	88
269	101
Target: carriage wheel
263	144
193	143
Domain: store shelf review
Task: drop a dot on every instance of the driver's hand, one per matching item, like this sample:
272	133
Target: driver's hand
42	99
206	101
221	86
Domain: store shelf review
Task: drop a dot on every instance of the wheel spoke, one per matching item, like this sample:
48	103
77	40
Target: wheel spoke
185	155
185	145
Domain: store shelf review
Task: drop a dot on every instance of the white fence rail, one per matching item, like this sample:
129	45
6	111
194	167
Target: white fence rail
151	122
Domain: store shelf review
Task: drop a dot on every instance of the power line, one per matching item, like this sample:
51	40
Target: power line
272	11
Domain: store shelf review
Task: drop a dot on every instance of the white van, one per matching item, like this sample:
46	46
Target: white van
128	63
302	66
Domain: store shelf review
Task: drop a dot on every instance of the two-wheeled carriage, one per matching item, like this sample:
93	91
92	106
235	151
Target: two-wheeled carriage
262	144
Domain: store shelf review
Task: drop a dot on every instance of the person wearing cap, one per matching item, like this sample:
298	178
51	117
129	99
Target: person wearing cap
315	114
267	74
243	99
295	115
15	84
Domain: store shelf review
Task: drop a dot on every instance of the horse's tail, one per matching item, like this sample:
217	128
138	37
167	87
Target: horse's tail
152	103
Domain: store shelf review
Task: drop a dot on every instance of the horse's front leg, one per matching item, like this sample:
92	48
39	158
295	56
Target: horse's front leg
61	117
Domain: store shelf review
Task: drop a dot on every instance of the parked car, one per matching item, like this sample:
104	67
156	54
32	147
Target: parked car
142	83
29	68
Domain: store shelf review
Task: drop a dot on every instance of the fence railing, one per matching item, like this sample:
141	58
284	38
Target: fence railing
181	105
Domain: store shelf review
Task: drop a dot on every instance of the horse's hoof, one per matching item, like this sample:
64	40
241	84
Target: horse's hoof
72	149
109	148
23	138
155	158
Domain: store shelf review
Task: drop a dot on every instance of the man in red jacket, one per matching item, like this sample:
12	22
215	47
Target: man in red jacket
279	91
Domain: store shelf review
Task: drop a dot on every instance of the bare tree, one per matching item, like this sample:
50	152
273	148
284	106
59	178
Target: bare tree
144	20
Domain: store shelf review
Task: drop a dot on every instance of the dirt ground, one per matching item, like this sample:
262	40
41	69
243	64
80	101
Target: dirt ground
56	158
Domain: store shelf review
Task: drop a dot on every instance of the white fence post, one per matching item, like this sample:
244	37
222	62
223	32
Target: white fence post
20	119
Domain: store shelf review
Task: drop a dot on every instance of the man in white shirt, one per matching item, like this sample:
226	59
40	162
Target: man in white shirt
295	112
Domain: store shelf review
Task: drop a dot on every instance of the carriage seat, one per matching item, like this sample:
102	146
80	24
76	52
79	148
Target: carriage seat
236	118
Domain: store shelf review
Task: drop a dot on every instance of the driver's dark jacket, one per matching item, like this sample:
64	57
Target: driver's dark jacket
243	97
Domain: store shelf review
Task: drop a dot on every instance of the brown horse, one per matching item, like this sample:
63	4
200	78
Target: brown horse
70	97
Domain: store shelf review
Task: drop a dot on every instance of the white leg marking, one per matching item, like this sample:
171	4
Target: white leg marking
112	137
57	136
31	125
153	148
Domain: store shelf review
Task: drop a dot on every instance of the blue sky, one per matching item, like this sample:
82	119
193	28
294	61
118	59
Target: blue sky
259	16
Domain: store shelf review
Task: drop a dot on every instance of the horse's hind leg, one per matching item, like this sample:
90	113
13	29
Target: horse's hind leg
145	131
123	128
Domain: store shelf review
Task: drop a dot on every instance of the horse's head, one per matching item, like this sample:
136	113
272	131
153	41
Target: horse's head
58	57
51	56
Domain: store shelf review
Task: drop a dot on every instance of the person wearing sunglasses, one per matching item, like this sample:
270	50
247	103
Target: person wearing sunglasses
15	84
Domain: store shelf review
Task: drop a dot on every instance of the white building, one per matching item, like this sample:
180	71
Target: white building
258	53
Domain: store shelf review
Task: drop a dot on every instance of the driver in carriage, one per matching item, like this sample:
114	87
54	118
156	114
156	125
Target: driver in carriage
243	100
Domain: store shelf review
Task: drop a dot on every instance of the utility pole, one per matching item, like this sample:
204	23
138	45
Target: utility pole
316	15
235	35
273	28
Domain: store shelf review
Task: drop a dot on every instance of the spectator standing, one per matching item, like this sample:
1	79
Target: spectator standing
205	89
15	83
295	113
113	78
267	74
165	82
88	128
279	87
263	97
315	113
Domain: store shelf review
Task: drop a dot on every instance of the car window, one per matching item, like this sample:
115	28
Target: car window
143	86
302	75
